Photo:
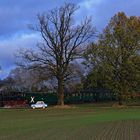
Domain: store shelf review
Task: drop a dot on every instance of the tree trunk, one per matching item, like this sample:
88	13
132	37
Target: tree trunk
60	91
122	93
120	100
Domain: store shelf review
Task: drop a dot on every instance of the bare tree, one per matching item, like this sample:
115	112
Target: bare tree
24	79
63	42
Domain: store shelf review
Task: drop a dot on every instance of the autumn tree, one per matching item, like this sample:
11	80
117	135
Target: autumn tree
115	58
63	42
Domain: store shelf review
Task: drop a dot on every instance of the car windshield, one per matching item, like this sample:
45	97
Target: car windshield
40	102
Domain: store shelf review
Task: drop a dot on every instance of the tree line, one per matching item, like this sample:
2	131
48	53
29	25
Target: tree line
72	56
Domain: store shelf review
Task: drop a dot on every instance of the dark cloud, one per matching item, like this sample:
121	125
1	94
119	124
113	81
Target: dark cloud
15	15
9	48
103	10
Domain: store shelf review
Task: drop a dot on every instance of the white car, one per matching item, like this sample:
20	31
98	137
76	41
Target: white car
39	104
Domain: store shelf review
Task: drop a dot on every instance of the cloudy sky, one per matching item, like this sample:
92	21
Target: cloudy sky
16	15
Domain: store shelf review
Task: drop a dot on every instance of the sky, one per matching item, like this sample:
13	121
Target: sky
17	15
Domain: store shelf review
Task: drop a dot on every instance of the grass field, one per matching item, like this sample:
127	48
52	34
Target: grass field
80	123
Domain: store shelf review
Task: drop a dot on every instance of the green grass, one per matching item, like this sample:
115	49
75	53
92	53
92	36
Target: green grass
81	123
